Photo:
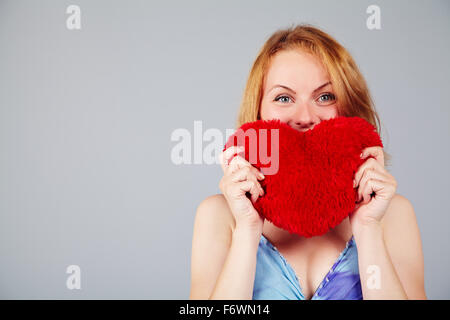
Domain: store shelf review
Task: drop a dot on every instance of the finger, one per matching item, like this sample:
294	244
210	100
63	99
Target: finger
258	174
369	163
362	188
372	186
225	156
232	152
371	173
240	175
363	197
376	152
248	173
255	192
251	187
371	176
237	163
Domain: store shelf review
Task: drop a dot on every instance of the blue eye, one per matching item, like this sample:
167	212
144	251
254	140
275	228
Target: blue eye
329	98
283	99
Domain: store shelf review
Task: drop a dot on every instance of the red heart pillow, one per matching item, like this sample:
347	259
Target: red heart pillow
309	175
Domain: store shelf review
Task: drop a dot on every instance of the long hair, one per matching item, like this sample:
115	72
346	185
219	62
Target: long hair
348	83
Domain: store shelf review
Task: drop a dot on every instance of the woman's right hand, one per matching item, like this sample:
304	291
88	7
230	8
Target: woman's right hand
239	178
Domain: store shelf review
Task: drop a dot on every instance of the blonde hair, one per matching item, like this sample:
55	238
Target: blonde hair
349	85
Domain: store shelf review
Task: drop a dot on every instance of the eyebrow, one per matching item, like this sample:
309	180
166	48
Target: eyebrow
287	88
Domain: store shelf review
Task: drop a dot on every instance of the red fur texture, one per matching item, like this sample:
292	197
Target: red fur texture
312	190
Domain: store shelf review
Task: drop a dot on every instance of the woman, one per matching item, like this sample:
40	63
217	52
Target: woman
303	76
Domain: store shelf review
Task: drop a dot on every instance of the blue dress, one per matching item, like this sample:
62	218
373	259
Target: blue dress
275	279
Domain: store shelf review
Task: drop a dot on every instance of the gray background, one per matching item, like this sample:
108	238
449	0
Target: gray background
86	117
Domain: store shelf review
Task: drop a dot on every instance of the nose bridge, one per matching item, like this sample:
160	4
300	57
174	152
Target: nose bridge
303	112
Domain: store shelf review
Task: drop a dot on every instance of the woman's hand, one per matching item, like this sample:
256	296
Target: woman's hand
239	178
376	188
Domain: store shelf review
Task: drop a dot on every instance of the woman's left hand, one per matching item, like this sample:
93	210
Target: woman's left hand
376	188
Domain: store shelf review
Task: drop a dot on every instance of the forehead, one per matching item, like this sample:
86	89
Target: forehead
296	68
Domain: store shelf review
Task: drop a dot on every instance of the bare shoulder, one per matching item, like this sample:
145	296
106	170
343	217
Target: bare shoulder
404	244
211	241
400	223
214	209
399	212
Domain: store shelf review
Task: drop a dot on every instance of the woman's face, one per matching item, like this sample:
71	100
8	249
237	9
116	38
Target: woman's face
297	91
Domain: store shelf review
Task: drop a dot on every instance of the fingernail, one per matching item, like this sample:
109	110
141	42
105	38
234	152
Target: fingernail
361	155
354	183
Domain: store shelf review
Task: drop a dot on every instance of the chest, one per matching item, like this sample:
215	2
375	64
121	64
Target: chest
311	264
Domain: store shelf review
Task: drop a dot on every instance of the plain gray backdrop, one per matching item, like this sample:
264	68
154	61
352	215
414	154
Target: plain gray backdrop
86	118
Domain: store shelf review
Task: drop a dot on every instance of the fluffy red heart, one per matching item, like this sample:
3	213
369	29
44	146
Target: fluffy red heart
308	175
